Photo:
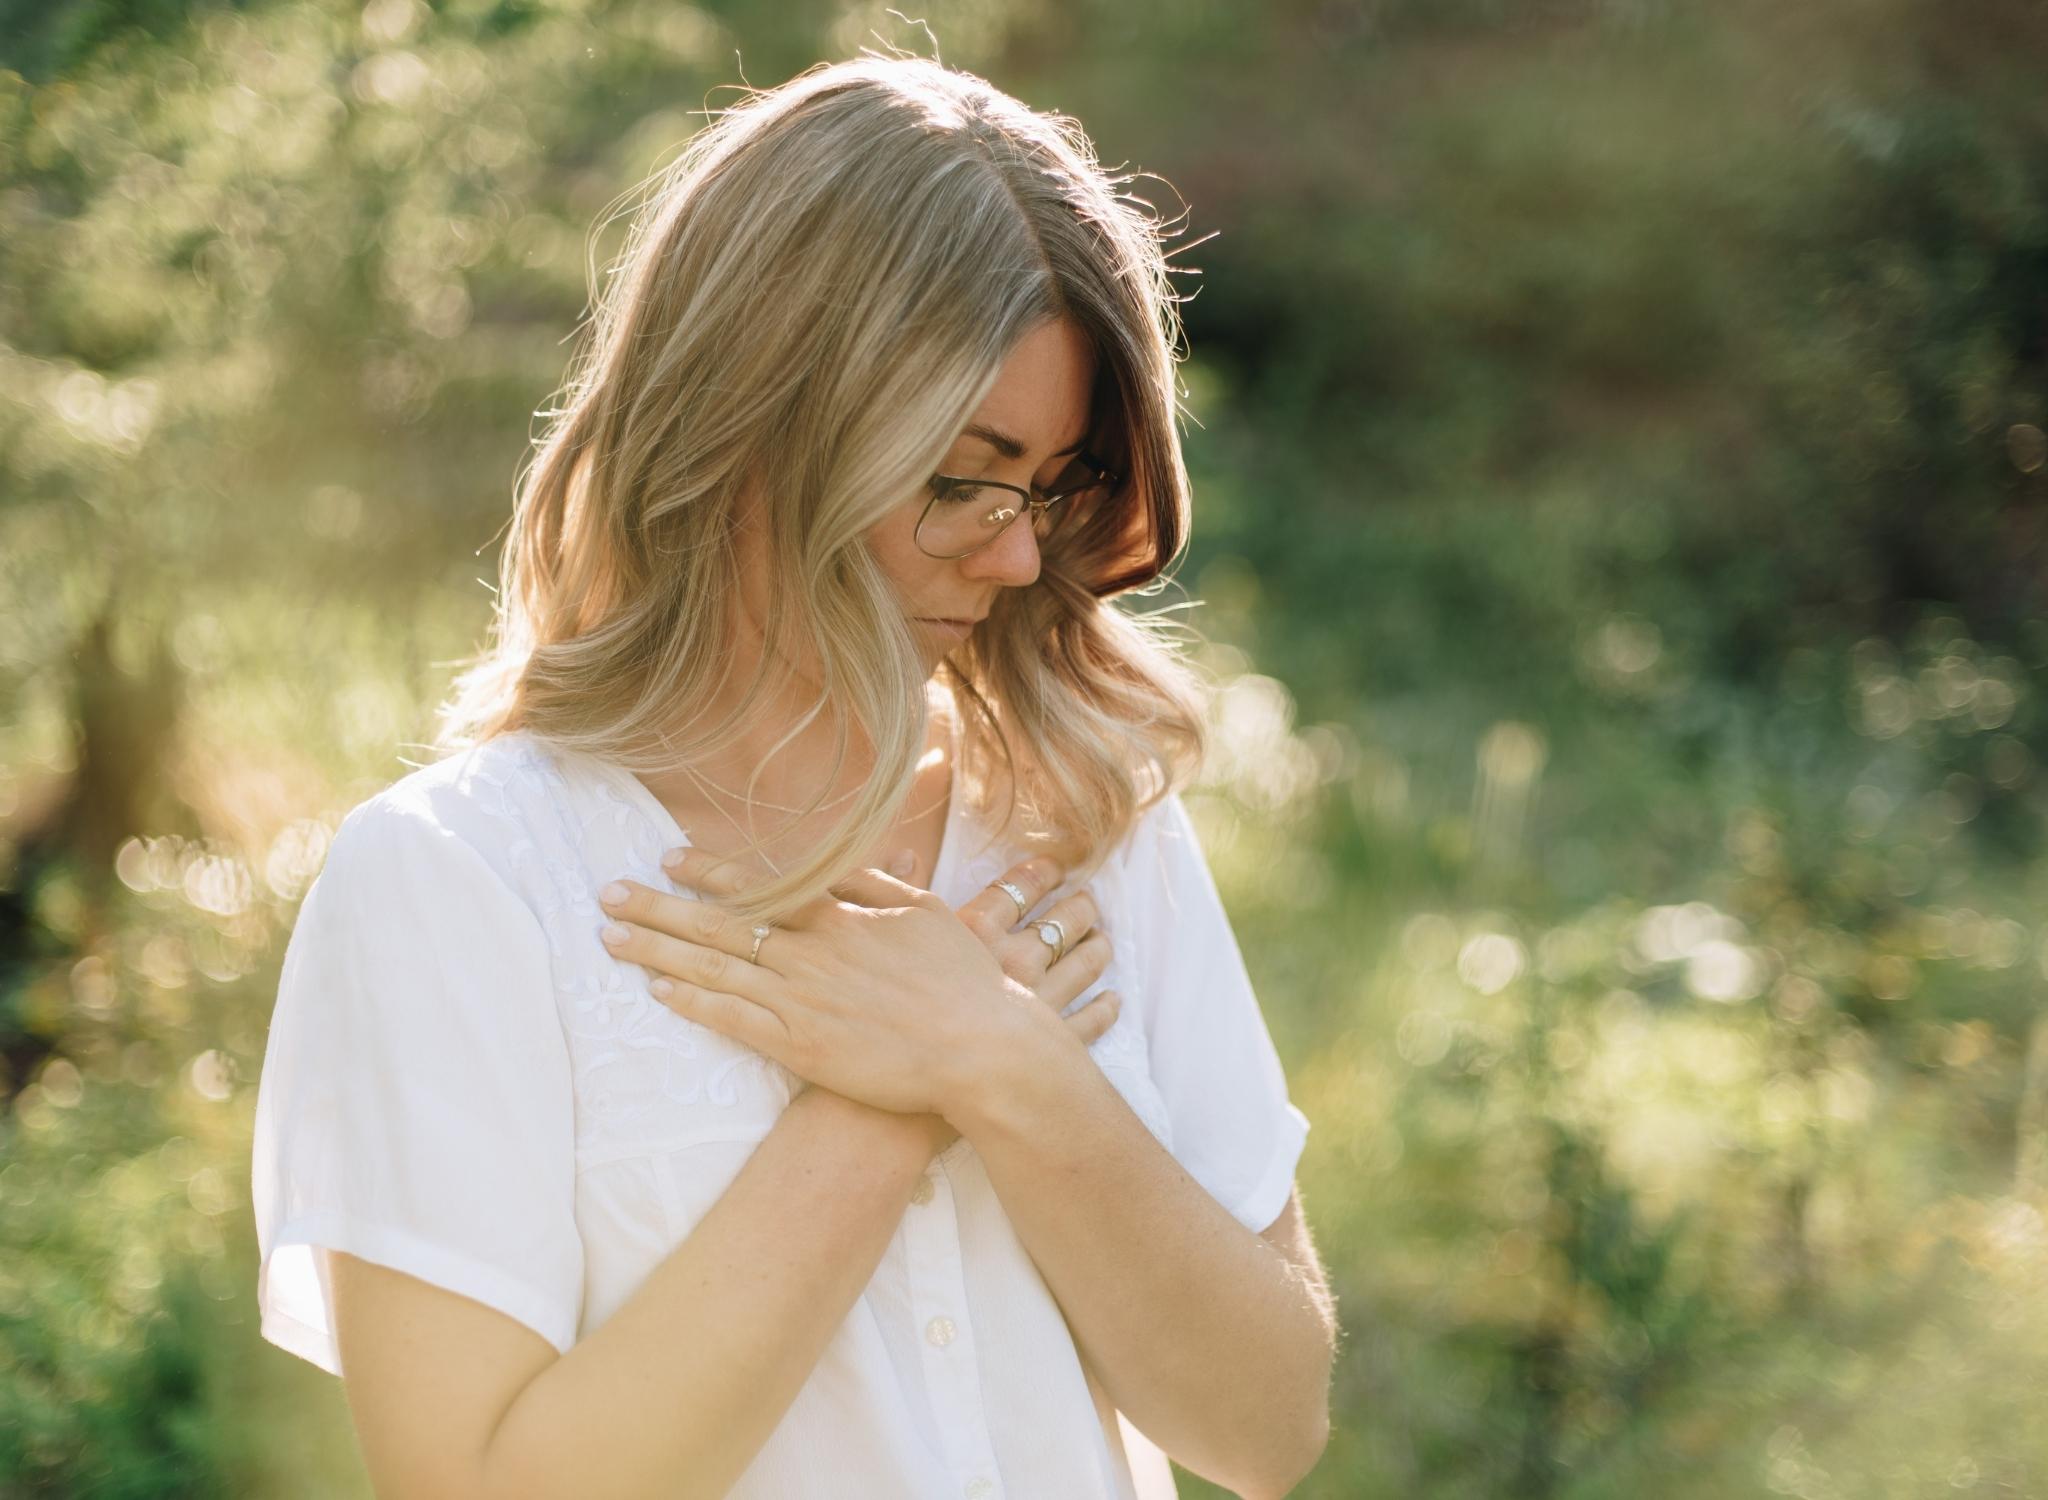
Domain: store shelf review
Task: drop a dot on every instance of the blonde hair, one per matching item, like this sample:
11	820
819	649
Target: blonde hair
811	303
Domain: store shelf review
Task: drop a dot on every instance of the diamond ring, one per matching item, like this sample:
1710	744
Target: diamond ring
1053	935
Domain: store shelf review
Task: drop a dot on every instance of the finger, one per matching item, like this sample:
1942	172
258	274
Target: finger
991	911
678	916
727	1014
877	888
1077	915
693	963
1095	1017
705	872
1079	967
1032	948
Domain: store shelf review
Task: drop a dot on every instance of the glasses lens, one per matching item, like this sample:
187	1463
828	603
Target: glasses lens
1078	489
965	516
1079	476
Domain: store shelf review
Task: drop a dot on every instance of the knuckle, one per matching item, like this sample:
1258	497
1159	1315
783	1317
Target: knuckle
1016	960
1038	874
714	965
1098	952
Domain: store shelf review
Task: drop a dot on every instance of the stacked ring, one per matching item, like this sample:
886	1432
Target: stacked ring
1056	939
1015	895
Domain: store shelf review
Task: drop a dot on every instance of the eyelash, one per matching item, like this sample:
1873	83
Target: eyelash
932	484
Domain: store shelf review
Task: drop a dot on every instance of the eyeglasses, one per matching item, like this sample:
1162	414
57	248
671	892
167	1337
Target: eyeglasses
965	515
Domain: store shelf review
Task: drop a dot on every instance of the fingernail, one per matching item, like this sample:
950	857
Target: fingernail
614	933
671	859
904	862
613	894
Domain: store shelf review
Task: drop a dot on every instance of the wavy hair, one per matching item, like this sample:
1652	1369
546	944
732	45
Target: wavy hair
810	304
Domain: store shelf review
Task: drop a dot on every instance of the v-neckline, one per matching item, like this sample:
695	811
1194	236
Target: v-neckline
665	821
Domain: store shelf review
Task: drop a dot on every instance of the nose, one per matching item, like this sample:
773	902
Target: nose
1011	559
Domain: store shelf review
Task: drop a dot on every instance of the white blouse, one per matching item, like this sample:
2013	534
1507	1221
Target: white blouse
461	1082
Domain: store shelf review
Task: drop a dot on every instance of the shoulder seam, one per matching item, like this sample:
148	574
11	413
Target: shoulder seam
404	811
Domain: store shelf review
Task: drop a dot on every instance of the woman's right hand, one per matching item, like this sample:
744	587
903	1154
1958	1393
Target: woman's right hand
993	916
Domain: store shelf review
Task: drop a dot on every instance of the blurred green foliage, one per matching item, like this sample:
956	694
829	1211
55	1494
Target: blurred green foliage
1619	426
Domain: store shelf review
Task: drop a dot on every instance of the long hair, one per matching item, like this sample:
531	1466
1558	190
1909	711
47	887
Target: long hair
811	303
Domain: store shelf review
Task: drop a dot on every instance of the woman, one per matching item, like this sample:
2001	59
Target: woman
776	1174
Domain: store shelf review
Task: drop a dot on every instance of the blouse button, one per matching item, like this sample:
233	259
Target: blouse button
939	1331
922	1193
979	1489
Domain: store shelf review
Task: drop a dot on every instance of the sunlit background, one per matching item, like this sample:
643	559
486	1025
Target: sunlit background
1620	485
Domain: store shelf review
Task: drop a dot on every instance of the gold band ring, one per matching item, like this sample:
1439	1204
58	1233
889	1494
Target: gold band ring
1015	895
1055	940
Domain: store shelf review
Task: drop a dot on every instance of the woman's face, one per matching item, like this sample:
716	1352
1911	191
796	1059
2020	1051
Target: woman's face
1033	422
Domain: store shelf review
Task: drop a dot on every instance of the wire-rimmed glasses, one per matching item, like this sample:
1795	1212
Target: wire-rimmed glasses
965	515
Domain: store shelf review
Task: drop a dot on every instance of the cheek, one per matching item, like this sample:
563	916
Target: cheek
894	545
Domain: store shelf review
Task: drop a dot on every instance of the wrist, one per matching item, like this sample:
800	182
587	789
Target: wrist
1015	1075
916	1135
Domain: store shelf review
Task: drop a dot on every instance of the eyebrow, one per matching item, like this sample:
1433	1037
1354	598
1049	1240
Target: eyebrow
1009	447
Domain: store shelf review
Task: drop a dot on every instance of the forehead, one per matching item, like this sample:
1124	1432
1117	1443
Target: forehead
1042	393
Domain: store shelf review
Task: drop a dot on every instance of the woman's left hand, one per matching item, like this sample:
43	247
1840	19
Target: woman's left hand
877	990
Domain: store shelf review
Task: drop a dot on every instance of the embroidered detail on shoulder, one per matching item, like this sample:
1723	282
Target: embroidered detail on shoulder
640	1070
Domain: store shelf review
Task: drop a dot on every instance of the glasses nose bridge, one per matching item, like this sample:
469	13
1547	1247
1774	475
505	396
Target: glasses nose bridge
1006	537
1034	504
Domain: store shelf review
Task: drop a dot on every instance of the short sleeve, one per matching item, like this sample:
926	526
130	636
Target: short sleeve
415	1107
1211	1055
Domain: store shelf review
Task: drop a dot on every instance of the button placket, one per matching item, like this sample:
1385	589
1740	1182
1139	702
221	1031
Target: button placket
938	1298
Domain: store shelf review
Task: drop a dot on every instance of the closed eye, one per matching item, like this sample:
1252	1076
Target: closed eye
958	491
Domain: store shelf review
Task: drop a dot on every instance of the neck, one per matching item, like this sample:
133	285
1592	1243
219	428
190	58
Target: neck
789	774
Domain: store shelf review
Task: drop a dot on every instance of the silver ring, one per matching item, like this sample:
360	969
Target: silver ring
1015	895
1056	940
759	934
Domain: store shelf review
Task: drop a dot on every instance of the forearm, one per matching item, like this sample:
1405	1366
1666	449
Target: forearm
677	1391
1199	1329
